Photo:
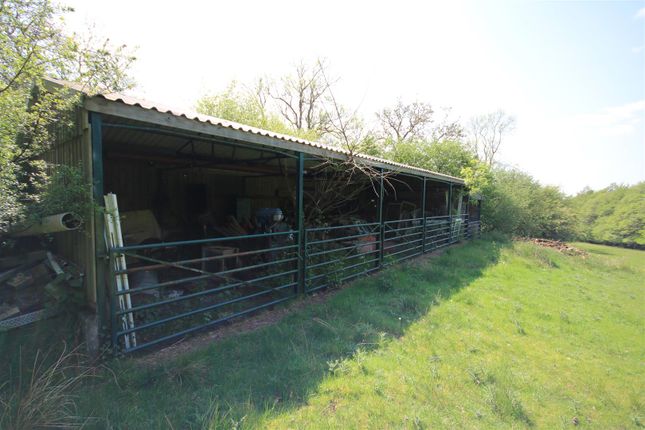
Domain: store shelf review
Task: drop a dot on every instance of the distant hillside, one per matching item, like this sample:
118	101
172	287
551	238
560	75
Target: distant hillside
614	215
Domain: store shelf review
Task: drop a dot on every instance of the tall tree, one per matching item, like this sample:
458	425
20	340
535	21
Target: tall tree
615	214
33	45
447	130
487	133
300	97
248	105
403	121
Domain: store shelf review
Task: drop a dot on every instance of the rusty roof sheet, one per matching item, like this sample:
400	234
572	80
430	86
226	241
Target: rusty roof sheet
154	106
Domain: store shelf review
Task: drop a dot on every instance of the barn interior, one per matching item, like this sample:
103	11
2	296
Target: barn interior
210	226
186	187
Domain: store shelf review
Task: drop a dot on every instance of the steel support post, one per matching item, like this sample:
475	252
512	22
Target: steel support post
381	221
302	259
423	214
451	228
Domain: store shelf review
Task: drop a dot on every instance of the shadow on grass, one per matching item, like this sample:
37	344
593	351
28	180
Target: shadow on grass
277	367
19	346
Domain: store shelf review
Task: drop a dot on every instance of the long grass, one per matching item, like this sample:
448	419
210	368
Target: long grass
42	395
491	334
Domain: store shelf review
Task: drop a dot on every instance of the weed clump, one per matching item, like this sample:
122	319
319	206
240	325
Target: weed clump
481	376
45	399
506	404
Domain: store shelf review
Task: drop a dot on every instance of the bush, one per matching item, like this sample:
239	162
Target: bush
517	204
66	190
615	214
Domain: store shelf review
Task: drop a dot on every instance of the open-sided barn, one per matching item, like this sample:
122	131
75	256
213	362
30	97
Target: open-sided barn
220	219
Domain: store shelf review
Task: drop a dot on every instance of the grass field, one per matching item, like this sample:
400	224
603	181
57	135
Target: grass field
491	334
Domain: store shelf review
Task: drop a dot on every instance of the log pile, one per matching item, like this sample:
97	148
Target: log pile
558	246
34	286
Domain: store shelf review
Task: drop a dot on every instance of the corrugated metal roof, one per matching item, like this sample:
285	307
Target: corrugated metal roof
154	106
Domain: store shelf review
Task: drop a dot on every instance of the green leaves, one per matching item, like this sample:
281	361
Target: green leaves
33	46
446	157
615	214
517	204
248	108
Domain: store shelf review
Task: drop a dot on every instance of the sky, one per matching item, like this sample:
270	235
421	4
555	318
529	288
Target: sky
572	73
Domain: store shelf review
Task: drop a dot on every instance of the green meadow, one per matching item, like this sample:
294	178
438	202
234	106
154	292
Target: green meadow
490	334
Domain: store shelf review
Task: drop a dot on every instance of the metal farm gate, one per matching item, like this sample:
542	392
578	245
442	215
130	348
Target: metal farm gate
188	286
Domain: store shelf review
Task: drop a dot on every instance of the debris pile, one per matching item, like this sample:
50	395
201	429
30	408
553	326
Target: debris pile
33	286
558	246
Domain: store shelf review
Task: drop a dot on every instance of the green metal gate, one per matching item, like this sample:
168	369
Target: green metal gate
183	287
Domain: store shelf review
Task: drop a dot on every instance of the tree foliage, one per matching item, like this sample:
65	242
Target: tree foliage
517	204
33	46
615	214
444	157
415	122
248	106
301	104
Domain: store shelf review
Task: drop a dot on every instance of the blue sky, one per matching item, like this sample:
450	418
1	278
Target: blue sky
582	68
572	73
581	53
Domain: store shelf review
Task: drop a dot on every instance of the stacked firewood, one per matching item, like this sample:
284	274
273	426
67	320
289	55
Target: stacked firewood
558	245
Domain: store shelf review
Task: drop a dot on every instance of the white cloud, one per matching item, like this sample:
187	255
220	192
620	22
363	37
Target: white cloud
638	49
614	120
640	13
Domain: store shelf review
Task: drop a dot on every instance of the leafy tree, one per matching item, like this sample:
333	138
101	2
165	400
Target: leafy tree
517	204
415	122
32	46
447	129
300	103
447	157
246	106
615	214
443	157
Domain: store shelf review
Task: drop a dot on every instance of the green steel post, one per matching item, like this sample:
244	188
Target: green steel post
479	217
381	221
467	219
302	260
423	214
96	127
451	228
